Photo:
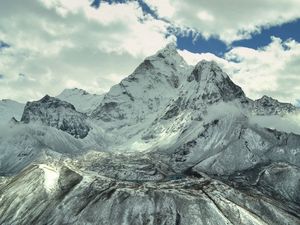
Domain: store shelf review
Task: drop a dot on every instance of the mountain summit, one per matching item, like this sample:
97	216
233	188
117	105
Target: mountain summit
53	112
143	93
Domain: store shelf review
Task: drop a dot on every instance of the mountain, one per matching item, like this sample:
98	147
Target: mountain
9	109
269	106
56	113
170	144
149	88
82	100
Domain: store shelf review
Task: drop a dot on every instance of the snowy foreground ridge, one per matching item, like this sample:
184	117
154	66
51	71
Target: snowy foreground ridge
171	144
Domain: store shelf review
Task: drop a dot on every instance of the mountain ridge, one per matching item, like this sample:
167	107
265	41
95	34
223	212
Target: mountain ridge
170	144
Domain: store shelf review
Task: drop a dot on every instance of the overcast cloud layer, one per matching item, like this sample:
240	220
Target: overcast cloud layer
57	44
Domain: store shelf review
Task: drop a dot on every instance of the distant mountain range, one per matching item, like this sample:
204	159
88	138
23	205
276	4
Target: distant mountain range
170	144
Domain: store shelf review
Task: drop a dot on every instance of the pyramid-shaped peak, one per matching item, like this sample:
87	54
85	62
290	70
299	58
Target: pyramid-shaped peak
208	64
170	48
266	98
74	91
169	51
207	70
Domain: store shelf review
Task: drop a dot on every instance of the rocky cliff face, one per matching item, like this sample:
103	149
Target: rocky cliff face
169	144
53	112
269	106
148	89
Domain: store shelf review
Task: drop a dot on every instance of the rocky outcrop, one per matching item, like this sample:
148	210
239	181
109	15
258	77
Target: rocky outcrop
53	112
269	106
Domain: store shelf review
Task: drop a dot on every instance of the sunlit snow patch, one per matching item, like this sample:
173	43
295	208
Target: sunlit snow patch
50	179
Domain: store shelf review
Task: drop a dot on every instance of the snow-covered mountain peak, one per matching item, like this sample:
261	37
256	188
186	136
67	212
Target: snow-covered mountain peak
207	71
56	113
166	61
269	106
168	51
266	99
149	88
50	102
207	83
82	100
74	91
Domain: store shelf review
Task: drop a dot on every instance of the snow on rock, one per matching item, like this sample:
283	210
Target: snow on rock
148	89
56	113
50	178
269	106
82	100
100	200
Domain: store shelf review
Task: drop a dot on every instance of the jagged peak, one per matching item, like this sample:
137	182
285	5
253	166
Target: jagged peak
72	91
46	98
163	61
267	105
266	98
169	49
168	53
53	112
50	102
207	70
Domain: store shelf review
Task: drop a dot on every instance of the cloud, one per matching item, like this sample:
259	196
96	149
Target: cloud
58	44
272	70
193	58
289	123
229	20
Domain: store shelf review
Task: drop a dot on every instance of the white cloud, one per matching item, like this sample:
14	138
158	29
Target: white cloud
289	123
231	19
194	58
58	44
272	70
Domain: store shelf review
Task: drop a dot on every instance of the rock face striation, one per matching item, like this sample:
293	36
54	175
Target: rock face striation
53	112
171	144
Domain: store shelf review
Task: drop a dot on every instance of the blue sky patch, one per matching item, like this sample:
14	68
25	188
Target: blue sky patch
284	32
199	44
4	45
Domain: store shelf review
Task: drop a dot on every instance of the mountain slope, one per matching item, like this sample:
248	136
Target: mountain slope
145	91
83	101
76	197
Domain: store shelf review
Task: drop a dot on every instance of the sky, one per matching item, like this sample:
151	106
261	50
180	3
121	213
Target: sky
49	45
